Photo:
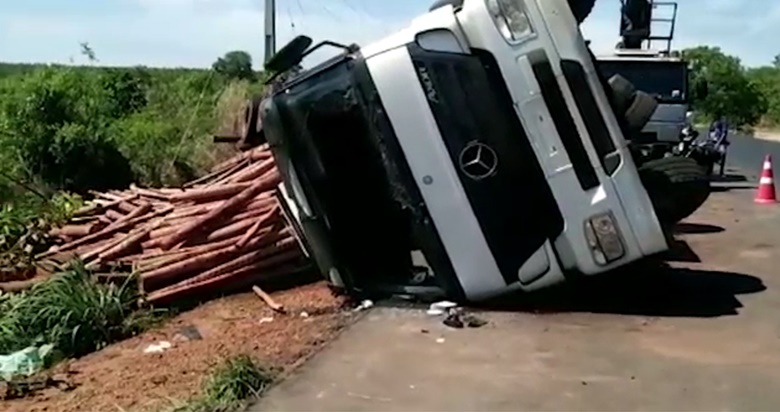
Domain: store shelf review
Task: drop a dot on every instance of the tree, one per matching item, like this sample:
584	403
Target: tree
728	90
767	82
125	90
235	65
776	62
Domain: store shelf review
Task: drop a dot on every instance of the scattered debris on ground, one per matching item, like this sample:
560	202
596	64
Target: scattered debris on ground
123	377
24	362
220	233
365	304
454	316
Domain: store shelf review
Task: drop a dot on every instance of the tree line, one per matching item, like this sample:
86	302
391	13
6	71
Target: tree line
86	127
68	128
721	85
77	128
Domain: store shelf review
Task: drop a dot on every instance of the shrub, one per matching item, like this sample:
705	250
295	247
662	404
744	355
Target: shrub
71	311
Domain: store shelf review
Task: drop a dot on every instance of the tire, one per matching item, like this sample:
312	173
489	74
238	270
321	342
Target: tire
640	111
622	93
677	187
581	9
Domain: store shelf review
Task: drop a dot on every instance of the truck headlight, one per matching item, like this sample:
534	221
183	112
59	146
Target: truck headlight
511	19
603	237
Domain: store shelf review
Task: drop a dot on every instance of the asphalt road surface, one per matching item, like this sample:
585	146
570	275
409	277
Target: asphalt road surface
747	154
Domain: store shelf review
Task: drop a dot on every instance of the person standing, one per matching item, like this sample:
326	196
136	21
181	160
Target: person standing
719	131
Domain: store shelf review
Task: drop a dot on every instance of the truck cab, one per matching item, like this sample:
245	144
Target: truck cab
478	140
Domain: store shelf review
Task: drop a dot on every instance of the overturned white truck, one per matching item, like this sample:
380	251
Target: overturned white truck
479	142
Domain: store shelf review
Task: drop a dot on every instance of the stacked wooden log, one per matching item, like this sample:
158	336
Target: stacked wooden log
222	231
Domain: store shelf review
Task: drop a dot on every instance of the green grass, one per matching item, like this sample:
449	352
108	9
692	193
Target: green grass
25	220
230	386
73	312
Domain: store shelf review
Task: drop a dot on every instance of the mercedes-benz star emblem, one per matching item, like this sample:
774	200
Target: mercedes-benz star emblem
478	160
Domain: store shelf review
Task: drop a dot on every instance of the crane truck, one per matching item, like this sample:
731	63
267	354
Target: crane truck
675	171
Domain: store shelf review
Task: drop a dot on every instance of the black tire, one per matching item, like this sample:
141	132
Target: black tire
581	9
623	92
677	187
640	111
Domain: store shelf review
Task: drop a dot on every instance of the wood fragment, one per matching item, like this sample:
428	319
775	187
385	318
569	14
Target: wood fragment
95	207
221	232
132	240
231	205
103	233
216	178
148	193
20	285
74	231
114	215
126	206
263	220
274	305
253	172
272	267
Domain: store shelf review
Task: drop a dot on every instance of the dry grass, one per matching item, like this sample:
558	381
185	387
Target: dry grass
230	106
229	111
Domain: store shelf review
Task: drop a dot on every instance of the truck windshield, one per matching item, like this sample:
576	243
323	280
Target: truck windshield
668	81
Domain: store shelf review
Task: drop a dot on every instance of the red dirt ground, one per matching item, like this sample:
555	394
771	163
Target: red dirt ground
122	377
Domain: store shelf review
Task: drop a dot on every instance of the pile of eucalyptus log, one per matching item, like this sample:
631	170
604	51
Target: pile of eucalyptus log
218	233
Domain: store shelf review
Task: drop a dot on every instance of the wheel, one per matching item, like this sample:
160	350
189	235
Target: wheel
640	111
622	93
581	9
677	187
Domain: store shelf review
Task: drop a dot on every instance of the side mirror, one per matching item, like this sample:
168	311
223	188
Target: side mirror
290	55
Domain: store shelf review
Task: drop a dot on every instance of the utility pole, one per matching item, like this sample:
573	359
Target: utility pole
270	29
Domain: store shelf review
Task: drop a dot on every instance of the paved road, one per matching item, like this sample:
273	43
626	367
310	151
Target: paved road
701	335
747	154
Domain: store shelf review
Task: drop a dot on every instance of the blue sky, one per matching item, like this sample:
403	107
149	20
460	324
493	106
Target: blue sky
193	33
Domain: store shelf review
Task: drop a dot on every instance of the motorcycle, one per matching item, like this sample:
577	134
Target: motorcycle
707	152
